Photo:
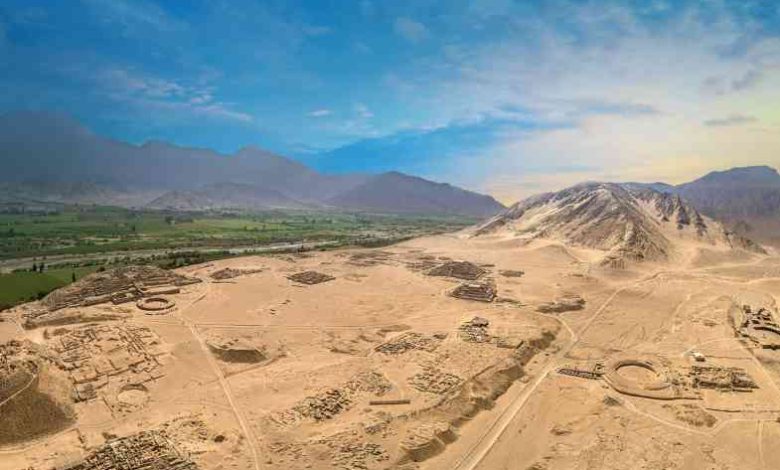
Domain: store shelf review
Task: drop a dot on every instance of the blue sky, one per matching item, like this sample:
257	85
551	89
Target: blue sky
507	97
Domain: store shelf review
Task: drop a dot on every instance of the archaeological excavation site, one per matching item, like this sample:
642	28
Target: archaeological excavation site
456	352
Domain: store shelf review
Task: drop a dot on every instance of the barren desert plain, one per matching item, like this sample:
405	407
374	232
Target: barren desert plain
444	352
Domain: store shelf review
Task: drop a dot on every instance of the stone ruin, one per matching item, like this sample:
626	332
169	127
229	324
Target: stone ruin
102	361
422	263
366	259
427	440
669	383
565	303
479	291
345	450
116	286
332	401
155	304
411	341
760	326
232	273
310	277
458	269
434	380
731	379
147	450
593	373
475	331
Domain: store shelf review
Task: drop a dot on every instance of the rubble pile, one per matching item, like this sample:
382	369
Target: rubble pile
565	303
511	273
760	326
408	342
231	273
434	380
349	453
458	269
426	441
147	450
310	277
592	373
422	263
333	401
369	258
475	330
479	291
721	378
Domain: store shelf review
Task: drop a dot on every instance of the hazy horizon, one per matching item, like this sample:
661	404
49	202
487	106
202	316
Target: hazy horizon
499	97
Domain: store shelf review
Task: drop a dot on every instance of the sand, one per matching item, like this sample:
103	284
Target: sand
382	331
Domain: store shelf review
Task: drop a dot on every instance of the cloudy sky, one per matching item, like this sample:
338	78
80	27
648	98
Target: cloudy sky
501	96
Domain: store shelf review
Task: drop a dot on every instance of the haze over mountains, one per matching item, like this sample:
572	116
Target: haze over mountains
53	158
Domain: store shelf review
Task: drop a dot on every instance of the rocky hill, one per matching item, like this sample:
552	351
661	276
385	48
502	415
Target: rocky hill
628	223
397	192
746	199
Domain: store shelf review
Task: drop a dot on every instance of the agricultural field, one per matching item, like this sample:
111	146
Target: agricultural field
75	240
79	230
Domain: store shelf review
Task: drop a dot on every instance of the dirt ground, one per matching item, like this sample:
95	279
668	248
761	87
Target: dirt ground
380	367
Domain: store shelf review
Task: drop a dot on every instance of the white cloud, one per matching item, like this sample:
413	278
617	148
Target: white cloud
625	100
153	93
318	113
411	30
135	14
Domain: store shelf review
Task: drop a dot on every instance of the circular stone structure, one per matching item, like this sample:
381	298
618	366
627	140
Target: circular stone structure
640	377
155	304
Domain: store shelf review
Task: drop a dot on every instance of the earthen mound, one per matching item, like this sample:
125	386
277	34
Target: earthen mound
566	303
237	351
458	269
26	411
310	277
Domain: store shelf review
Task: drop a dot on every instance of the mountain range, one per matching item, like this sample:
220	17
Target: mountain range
746	199
627	222
52	158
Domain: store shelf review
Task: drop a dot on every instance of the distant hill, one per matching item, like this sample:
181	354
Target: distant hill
746	199
52	158
628	223
740	192
226	196
397	192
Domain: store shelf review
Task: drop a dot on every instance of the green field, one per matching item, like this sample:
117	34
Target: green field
82	239
23	286
80	230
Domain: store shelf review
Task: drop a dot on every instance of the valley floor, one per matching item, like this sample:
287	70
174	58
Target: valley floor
381	367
